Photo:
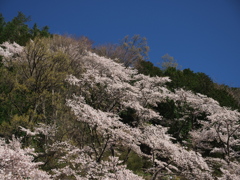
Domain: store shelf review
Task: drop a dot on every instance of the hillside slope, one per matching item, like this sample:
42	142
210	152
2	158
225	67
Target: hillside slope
89	117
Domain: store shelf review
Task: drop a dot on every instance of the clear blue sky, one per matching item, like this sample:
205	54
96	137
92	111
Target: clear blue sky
203	35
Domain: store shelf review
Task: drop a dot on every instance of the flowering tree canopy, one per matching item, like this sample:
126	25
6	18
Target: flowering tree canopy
9	49
17	163
94	121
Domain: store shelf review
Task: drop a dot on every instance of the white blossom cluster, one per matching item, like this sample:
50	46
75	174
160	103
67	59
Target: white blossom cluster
83	167
145	91
9	49
17	163
105	89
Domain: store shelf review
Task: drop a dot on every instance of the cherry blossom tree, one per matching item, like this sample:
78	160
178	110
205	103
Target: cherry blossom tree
110	87
100	92
219	134
9	49
104	77
82	163
222	124
222	129
18	163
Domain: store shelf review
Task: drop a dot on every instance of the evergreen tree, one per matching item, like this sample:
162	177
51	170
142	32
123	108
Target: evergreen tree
18	31
2	25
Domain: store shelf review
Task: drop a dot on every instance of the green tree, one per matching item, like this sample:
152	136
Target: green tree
33	89
2	25
36	32
16	30
147	68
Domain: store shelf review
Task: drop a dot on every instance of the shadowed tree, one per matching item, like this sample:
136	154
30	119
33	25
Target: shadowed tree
130	51
169	61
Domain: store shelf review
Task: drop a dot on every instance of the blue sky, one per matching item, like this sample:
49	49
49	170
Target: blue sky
203	35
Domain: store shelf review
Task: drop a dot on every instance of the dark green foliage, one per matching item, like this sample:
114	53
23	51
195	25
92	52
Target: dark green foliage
2	24
18	31
167	109
179	118
147	68
224	98
217	171
128	117
36	32
31	94
199	83
6	87
1	61
134	162
187	79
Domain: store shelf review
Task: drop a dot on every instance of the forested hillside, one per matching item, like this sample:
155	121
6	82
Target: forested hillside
69	110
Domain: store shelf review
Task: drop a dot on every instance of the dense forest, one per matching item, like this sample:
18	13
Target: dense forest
72	110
